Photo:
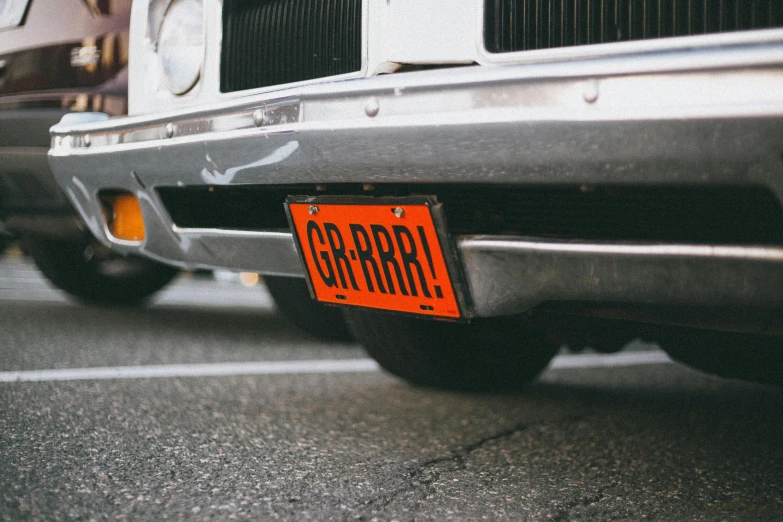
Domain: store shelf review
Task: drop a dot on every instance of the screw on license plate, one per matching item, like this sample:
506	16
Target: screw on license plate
399	212
312	209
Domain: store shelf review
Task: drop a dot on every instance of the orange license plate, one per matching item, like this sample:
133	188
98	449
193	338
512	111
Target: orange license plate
377	253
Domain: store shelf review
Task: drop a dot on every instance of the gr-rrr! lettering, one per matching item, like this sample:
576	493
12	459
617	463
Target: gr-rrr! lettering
375	258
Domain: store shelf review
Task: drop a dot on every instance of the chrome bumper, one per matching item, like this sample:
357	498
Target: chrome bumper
697	118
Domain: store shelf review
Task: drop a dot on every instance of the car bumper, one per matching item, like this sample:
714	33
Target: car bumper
708	117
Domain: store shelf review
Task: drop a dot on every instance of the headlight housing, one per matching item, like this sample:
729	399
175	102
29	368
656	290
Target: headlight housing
181	45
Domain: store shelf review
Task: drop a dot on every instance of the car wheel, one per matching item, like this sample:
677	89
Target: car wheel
94	274
292	298
487	354
750	357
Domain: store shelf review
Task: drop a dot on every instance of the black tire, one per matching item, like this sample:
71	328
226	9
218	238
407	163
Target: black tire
494	354
292	298
93	274
749	357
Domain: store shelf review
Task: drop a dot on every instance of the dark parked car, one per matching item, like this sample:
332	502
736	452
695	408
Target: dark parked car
56	57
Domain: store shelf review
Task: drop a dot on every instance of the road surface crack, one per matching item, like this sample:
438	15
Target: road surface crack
565	513
424	474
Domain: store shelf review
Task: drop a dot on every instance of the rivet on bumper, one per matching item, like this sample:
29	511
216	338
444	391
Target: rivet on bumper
590	91
259	118
372	107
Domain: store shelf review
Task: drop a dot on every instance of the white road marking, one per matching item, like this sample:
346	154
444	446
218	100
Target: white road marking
217	298
210	295
195	370
295	368
22	278
32	299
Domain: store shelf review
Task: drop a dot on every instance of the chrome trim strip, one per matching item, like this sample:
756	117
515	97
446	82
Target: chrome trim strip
756	253
239	250
227	233
512	275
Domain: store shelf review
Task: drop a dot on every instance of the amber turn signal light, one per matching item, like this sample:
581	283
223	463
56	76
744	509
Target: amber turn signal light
123	215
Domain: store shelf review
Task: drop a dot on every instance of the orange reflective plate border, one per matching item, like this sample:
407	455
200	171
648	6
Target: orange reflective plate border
385	255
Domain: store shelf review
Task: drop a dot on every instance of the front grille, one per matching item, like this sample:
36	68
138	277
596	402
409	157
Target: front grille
273	42
684	215
521	25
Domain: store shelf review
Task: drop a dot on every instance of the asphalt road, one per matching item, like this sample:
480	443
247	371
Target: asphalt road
316	432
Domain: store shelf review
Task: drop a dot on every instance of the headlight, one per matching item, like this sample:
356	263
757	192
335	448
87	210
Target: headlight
181	45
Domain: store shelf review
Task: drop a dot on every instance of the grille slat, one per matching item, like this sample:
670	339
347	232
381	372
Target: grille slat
273	42
521	25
